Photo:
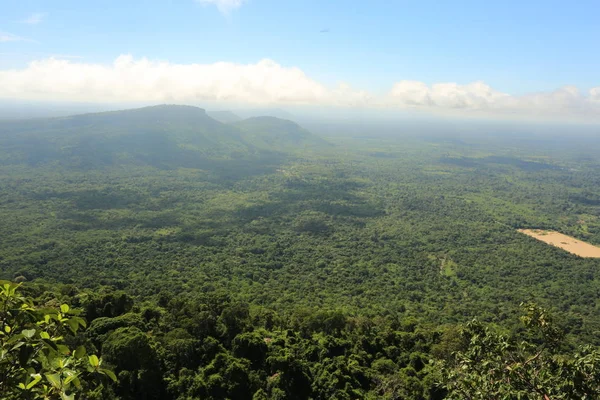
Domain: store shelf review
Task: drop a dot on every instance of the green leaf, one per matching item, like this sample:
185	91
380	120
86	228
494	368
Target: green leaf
72	376
16	346
7	329
54	380
36	379
73	324
80	352
110	374
94	362
64	308
77	383
81	321
28	333
44	335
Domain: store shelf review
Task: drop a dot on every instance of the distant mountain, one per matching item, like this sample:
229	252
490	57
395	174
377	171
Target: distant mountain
276	133
265	112
162	136
226	117
166	137
24	109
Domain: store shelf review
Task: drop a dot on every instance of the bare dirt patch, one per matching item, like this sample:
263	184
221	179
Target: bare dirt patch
568	243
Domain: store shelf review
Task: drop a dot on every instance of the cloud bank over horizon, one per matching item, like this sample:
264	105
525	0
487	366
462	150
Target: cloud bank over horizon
267	83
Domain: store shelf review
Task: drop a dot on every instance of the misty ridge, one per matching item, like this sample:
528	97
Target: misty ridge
330	121
228	142
159	136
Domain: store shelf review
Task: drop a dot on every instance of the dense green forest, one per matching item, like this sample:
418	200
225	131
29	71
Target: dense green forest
257	260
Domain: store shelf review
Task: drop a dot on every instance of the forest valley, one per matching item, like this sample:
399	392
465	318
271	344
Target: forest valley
159	253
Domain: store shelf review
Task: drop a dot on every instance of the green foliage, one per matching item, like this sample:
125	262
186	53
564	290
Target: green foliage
135	360
533	367
35	361
254	260
163	137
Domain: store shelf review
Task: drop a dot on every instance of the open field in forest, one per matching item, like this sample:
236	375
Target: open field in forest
565	242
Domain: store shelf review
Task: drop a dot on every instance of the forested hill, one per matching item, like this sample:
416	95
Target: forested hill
166	136
169	119
272	132
160	136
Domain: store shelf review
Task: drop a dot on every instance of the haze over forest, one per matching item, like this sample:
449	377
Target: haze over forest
230	199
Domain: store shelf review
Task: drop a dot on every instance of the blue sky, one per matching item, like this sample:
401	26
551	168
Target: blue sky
515	47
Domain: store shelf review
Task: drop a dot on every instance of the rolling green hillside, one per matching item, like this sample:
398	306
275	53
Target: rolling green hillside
277	133
161	136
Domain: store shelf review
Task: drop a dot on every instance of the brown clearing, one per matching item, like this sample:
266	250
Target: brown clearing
564	242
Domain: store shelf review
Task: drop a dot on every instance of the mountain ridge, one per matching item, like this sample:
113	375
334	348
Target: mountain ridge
224	116
267	131
164	136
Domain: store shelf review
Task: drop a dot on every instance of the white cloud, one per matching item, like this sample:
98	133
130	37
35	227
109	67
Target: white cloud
475	95
34	19
127	79
478	97
9	37
269	83
225	6
595	95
